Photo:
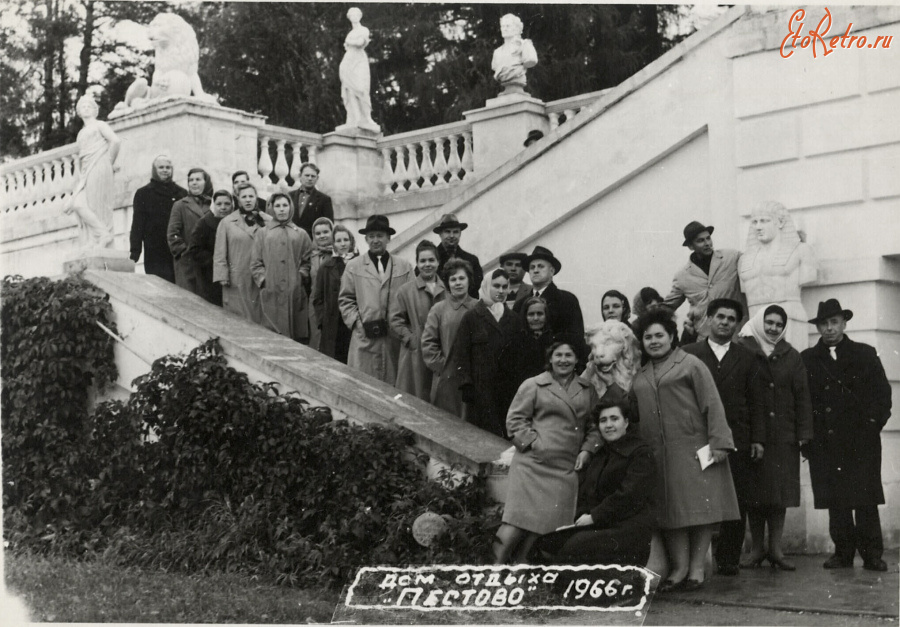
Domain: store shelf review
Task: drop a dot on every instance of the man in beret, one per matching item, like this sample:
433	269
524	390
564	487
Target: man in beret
450	229
515	266
708	275
851	400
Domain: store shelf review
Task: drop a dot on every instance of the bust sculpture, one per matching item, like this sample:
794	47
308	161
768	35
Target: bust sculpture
514	57
775	265
92	199
355	77
615	356
177	56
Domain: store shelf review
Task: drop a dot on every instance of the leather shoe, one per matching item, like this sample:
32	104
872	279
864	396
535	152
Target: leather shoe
690	585
670	586
779	563
728	570
836	561
877	564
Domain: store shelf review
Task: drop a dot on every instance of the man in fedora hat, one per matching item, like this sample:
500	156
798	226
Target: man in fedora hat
851	400
368	283
566	321
710	274
516	265
450	230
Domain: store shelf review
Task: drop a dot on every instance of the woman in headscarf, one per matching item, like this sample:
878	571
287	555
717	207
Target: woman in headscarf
334	339
280	267
614	306
784	391
323	244
186	213
203	245
525	354
482	333
150	220
231	260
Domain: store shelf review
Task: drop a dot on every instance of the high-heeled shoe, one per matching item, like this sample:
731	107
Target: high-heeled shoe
753	562
780	563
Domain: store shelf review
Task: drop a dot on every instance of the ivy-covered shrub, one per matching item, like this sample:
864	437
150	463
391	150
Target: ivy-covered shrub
51	354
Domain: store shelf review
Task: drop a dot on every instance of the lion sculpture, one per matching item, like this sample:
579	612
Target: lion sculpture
615	357
177	56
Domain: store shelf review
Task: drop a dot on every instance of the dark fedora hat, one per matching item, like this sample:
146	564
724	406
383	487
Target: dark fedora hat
533	136
540	252
694	229
449	221
521	257
378	223
829	308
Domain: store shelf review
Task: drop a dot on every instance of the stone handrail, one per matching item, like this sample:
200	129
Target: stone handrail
44	180
561	111
435	157
302	144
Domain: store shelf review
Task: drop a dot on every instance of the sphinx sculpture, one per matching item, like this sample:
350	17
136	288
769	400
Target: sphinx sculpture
355	77
775	265
514	57
177	57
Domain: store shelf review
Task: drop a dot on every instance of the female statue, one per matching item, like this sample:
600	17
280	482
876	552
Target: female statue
92	198
354	73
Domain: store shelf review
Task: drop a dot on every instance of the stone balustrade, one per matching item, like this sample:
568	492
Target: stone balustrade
435	157
40	182
562	111
290	149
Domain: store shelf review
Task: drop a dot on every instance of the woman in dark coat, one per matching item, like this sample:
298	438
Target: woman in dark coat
784	390
150	221
482	334
202	246
525	354
614	516
186	213
334	340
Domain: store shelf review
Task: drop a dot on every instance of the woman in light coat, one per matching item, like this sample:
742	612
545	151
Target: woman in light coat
550	424
408	312
231	259
280	267
680	414
440	333
186	213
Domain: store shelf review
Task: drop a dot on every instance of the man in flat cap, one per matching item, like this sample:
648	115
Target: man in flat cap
851	400
516	265
450	229
366	288
710	274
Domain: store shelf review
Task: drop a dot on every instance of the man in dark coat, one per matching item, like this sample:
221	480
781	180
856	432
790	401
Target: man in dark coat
450	229
309	203
150	220
734	369
516	267
851	400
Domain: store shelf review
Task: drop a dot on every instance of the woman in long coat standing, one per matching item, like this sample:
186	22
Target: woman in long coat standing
280	267
408	312
550	424
186	213
323	246
334	337
681	413
483	332
439	336
784	391
150	222
234	248
202	246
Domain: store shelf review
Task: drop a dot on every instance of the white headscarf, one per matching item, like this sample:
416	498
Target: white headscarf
755	328
486	294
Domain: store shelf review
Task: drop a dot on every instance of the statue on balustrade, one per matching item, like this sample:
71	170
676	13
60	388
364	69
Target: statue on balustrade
775	265
514	57
355	78
177	57
93	197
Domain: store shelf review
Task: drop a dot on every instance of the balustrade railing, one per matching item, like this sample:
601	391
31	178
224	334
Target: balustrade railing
281	153
562	111
432	158
41	181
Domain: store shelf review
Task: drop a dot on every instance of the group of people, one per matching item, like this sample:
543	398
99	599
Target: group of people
632	445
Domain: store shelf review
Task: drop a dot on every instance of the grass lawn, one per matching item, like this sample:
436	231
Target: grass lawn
60	590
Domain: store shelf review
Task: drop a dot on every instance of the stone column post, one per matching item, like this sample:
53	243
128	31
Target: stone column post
352	171
499	129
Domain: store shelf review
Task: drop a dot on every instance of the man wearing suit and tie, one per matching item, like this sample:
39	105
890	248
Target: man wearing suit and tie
734	369
309	203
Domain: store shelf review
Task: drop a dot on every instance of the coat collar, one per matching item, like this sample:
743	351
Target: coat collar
197	208
482	311
626	445
717	258
236	218
468	302
545	379
675	358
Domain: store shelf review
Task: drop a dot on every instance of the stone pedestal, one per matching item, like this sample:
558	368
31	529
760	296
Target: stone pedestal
352	161
500	128
99	259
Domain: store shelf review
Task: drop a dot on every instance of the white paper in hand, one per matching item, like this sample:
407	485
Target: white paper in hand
705	456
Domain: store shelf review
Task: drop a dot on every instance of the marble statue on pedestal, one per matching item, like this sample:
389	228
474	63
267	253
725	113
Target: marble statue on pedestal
355	77
177	57
775	265
92	200
514	57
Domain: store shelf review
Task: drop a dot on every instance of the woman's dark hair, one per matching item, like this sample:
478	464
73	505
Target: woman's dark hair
556	345
239	173
500	272
776	309
626	308
425	245
609	401
452	266
649	294
223	192
207	181
656	316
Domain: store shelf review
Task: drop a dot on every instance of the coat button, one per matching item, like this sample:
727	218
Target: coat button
828	410
771	385
831	432
827	388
